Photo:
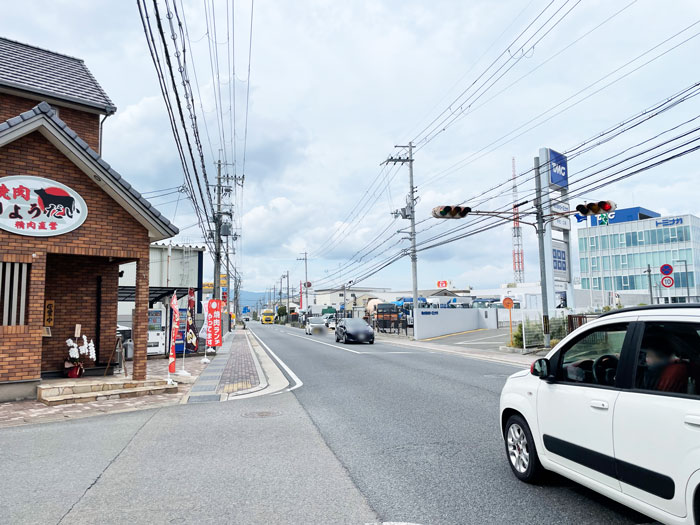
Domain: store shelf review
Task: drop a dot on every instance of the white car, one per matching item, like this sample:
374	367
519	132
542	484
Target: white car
616	407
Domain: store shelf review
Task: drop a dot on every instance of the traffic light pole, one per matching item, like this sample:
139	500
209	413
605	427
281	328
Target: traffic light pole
651	291
540	242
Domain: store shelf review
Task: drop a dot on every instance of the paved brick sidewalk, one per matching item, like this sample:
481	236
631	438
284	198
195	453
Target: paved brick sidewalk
24	412
240	373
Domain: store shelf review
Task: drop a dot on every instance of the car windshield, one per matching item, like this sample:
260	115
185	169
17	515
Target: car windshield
356	323
316	320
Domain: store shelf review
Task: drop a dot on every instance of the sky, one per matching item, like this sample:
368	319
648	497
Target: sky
334	86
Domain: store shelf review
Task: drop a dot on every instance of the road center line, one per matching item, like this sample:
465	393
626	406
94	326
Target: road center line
324	343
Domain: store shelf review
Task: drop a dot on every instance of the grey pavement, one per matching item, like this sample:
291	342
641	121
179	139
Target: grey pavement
201	463
417	430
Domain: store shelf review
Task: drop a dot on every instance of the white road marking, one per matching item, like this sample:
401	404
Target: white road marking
298	382
324	343
483	343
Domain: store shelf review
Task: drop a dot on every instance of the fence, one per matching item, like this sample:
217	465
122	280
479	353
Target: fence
529	330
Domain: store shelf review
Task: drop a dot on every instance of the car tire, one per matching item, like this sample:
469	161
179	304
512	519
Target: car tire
521	451
371	341
336	338
345	339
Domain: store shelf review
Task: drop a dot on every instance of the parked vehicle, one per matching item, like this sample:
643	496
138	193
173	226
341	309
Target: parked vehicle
267	317
354	330
330	322
315	325
616	407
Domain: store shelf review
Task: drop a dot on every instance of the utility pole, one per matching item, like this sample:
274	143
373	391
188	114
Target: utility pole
228	284
281	289
287	295
540	242
409	212
651	292
306	277
273	298
217	235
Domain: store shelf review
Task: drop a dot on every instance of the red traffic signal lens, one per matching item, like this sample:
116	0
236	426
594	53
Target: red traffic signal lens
605	206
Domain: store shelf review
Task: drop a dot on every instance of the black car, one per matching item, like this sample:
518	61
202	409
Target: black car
354	331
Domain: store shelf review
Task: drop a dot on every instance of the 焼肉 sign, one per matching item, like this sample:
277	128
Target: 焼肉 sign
214	323
39	207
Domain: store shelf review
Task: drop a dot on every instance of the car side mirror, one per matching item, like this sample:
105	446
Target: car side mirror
540	368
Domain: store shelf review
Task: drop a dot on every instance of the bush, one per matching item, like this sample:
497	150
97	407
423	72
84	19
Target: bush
518	336
554	342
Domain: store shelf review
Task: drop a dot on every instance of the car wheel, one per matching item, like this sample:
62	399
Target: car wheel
336	338
345	339
521	451
371	341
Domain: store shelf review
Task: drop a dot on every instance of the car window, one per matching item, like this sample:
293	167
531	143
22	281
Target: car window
669	358
594	356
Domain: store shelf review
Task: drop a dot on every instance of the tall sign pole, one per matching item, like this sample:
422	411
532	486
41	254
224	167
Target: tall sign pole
540	245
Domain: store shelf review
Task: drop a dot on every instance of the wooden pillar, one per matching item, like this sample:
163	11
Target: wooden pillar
139	332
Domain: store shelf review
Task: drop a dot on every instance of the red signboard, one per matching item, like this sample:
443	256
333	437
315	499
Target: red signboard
442	284
214	323
174	332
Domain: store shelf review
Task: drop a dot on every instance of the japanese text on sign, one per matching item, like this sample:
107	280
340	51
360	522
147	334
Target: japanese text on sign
214	323
39	207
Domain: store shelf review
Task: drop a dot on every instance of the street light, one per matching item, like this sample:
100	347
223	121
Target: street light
345	297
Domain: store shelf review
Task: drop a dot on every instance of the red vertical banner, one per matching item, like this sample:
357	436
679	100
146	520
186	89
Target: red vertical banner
214	323
191	339
301	296
175	327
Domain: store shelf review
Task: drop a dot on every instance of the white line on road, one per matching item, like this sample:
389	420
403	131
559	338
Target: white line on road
327	344
482	343
298	382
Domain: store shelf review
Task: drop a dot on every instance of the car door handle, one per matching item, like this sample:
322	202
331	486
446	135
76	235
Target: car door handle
693	421
602	405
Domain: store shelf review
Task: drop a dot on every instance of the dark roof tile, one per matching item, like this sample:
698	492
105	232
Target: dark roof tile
45	72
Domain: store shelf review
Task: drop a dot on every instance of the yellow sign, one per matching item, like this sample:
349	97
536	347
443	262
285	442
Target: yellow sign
49	312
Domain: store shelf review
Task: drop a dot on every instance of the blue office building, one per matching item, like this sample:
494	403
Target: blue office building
616	250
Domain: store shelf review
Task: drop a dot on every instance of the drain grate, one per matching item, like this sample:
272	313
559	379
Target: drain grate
262	413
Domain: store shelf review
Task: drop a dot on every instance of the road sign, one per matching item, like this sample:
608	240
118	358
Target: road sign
508	303
442	284
667	281
667	269
213	323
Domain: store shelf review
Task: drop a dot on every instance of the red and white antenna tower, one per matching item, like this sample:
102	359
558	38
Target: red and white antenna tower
518	255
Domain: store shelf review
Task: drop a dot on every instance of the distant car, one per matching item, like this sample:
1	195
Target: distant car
330	322
354	330
615	406
246	319
315	325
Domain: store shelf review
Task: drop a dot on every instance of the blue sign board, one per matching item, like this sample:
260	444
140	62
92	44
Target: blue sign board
667	269
246	309
558	170
559	257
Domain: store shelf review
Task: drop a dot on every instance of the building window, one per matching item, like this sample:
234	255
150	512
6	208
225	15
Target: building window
596	283
584	264
585	283
625	282
594	243
622	240
623	260
640	237
13	293
594	264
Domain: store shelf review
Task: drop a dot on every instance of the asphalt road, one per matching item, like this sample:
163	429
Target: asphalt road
418	433
376	433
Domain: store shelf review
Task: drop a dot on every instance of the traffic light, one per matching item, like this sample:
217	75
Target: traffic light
594	208
451	212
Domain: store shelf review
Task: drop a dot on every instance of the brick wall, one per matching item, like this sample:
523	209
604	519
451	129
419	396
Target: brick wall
109	231
72	282
86	125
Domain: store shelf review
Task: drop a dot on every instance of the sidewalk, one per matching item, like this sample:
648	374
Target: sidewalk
235	372
16	413
488	355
